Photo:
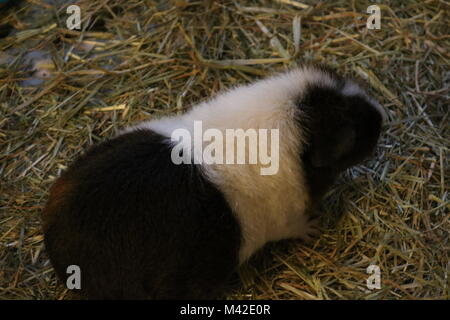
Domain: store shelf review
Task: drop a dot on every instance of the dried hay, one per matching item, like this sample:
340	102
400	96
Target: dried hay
138	60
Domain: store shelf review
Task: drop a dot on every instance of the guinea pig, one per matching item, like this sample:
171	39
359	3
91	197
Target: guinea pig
141	225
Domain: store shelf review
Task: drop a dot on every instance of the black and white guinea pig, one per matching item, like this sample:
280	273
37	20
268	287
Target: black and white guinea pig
140	226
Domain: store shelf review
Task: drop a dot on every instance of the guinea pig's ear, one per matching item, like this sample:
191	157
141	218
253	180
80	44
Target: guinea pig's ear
327	151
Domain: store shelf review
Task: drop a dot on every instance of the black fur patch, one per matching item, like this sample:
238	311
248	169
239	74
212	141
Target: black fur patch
342	131
140	226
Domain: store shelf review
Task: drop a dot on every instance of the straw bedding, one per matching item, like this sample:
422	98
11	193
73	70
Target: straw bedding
62	90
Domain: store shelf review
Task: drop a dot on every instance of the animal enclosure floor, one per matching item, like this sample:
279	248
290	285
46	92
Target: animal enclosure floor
62	90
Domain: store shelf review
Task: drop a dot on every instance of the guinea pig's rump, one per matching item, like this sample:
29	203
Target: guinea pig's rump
139	226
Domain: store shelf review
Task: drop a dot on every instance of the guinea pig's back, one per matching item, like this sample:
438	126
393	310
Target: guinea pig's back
139	226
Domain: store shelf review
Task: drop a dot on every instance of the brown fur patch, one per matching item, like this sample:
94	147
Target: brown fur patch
59	194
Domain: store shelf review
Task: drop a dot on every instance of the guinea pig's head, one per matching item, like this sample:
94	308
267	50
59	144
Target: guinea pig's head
342	125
